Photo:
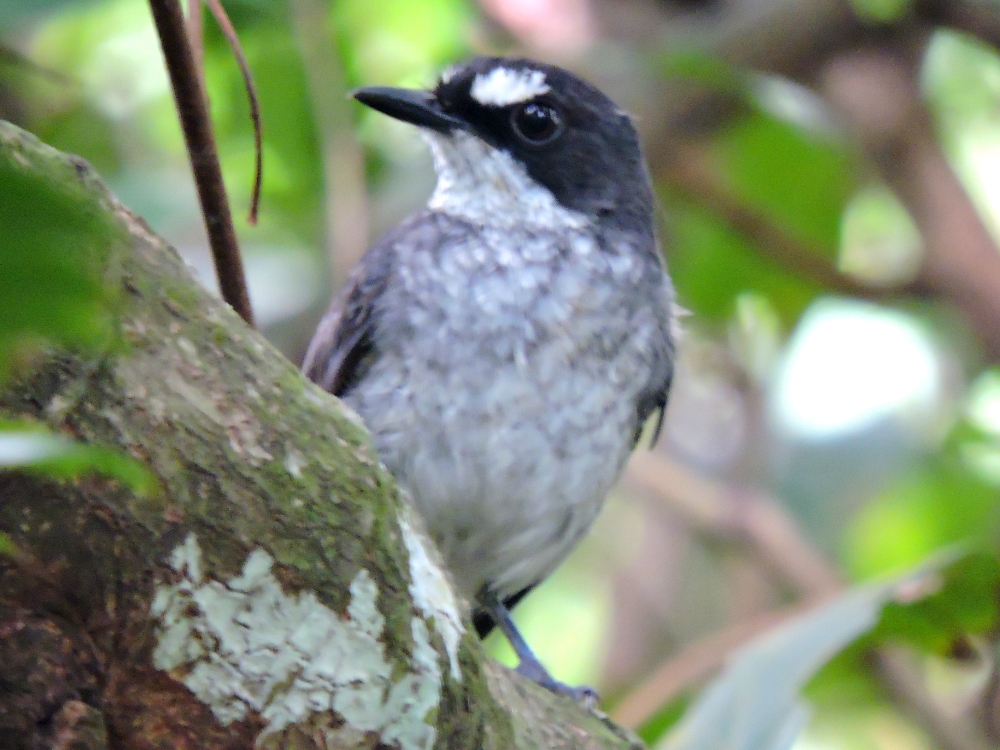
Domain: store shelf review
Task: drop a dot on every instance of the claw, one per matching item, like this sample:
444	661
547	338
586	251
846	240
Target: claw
530	667
582	694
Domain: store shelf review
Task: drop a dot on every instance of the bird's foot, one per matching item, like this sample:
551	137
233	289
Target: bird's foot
534	671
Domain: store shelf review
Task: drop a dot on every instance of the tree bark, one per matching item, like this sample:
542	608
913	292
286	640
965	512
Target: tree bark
276	591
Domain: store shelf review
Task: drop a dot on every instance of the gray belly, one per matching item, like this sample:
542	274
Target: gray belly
509	463
504	394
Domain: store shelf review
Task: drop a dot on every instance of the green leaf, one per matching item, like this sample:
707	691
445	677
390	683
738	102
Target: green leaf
964	604
713	265
15	12
386	42
800	180
938	504
7	546
25	446
754	704
661	722
881	11
698	66
50	232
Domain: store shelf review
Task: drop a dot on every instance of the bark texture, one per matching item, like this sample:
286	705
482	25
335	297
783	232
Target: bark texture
276	591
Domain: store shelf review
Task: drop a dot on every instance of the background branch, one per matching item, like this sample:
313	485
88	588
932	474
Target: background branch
876	90
688	169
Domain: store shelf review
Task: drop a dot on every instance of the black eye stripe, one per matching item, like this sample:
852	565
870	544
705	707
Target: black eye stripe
536	123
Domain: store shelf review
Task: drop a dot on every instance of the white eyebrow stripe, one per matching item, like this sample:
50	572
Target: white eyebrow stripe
503	86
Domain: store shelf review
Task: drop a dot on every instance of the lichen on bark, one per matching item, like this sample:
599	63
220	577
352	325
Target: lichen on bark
277	487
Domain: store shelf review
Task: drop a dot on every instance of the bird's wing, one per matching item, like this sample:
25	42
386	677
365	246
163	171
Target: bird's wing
654	401
343	347
653	398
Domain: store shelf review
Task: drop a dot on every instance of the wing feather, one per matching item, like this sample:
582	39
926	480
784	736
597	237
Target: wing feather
345	343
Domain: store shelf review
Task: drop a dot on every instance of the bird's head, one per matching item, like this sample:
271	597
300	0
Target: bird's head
502	128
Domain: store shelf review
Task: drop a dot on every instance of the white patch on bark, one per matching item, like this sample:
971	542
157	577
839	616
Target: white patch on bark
432	593
246	645
503	86
295	462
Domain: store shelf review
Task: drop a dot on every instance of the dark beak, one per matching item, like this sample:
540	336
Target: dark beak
414	106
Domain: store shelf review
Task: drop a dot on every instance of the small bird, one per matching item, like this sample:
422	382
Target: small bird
506	344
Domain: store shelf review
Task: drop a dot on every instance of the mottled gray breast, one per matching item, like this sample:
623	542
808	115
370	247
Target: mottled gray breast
504	374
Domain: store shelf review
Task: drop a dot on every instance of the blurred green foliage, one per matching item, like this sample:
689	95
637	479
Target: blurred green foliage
49	287
881	11
713	265
53	236
29	447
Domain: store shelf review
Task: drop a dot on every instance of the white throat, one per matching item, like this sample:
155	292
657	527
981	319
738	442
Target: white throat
488	187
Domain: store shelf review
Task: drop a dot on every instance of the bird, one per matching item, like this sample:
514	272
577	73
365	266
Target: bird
506	344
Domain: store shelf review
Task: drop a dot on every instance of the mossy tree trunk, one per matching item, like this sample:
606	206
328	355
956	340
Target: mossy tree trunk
275	591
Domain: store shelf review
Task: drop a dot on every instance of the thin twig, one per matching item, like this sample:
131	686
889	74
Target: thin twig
258	137
193	112
744	517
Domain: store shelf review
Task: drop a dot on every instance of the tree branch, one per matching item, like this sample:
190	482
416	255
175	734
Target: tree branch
197	126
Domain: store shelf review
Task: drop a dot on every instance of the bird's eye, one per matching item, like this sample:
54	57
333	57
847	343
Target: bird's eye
536	123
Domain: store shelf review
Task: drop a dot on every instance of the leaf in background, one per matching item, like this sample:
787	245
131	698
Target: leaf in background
664	719
938	504
754	704
713	266
25	446
16	12
881	11
49	233
959	79
879	241
697	66
385	41
797	179
800	180
965	604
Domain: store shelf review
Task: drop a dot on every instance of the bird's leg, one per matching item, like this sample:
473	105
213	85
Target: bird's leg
529	665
